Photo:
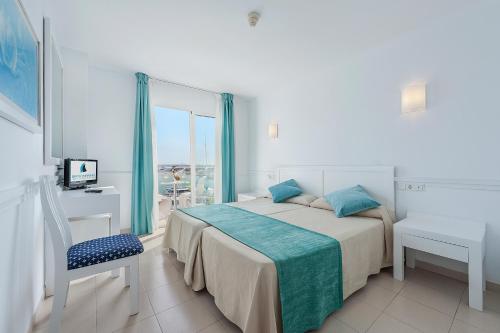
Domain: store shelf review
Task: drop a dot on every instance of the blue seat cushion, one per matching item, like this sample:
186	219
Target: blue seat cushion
103	249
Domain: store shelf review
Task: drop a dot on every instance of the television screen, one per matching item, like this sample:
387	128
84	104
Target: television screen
79	172
83	171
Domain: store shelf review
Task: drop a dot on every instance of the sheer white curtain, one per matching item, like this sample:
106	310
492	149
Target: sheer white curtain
218	156
156	209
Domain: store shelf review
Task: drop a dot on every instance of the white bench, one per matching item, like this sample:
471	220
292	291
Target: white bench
448	237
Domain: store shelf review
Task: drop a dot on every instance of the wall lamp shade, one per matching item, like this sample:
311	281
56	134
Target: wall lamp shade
413	98
272	131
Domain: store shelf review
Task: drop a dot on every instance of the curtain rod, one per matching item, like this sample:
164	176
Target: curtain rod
184	85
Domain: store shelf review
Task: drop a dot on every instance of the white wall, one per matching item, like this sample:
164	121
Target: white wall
75	103
110	129
350	114
241	132
21	249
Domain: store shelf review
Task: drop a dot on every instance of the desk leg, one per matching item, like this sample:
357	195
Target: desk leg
476	278
484	275
115	230
410	258
398	270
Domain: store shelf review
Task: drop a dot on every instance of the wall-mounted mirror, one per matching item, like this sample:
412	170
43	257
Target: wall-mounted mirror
53	97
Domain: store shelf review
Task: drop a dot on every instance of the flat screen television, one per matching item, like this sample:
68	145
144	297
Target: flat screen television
78	173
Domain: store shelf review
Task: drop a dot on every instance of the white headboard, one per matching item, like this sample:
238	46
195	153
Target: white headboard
321	180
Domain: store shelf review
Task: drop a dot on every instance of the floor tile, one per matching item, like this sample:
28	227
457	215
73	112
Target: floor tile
148	325
80	288
180	267
435	281
461	327
229	326
188	317
491	300
216	327
165	297
386	324
80	317
488	319
79	314
158	277
419	316
158	260
114	312
105	284
357	315
208	303
443	302
375	296
385	280
152	244
334	325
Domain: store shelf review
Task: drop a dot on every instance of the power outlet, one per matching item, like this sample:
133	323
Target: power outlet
412	187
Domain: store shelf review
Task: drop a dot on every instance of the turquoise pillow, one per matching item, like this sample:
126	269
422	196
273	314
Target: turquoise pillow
350	201
285	190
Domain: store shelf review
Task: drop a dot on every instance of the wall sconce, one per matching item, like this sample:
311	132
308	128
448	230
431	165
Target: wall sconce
413	98
272	131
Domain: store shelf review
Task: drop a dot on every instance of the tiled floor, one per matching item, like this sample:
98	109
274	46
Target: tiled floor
424	302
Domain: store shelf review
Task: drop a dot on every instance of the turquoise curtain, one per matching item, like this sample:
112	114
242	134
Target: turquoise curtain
142	169
228	182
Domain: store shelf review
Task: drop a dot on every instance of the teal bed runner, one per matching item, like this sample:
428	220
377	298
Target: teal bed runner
309	264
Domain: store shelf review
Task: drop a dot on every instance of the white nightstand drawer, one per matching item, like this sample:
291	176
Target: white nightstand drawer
436	247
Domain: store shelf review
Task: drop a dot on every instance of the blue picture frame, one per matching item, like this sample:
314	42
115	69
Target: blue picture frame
20	73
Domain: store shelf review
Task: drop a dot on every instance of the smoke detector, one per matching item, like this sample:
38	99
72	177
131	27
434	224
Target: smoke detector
253	18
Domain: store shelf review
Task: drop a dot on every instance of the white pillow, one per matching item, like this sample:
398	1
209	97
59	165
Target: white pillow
321	203
302	199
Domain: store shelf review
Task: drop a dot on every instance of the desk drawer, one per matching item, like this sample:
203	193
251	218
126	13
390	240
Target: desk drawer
436	247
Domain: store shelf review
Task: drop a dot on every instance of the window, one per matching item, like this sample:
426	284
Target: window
186	149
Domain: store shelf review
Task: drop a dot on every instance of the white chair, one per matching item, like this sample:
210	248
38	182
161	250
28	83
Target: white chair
86	258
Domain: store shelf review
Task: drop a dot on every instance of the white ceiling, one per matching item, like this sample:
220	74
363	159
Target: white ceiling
209	44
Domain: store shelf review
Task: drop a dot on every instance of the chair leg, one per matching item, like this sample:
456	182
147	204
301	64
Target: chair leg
67	292
60	294
134	286
127	276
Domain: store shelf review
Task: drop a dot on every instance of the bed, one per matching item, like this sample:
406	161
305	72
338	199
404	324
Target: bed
244	282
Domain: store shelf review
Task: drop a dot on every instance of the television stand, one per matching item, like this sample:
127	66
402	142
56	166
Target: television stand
83	187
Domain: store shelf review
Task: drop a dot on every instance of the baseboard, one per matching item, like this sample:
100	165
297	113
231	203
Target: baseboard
158	233
452	274
33	316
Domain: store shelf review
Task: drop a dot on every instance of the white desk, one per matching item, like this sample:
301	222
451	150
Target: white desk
78	204
448	237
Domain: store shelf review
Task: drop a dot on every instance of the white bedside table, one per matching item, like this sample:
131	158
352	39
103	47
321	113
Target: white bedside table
448	237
